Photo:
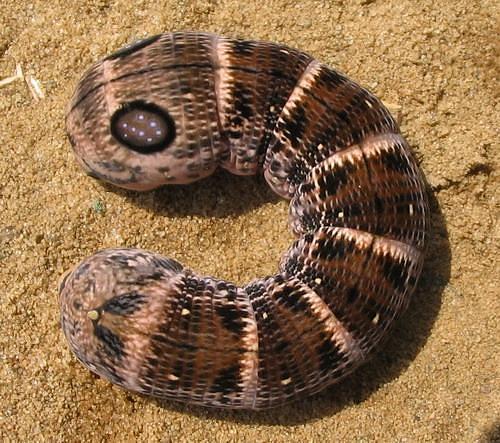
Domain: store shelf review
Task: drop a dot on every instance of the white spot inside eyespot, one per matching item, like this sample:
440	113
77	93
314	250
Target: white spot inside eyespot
124	125
286	381
340	214
93	315
317	281
125	135
264	315
410	209
149	139
172	377
158	132
185	311
376	319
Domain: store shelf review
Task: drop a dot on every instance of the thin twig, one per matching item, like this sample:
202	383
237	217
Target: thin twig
18	75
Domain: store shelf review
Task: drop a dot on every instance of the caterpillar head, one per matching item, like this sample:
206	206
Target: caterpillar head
139	118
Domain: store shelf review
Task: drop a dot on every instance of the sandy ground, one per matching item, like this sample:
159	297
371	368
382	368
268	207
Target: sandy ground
434	62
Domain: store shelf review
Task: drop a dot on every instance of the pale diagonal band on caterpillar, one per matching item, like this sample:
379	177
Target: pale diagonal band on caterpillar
374	187
171	109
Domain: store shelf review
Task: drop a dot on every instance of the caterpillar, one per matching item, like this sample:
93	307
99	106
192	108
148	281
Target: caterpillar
171	109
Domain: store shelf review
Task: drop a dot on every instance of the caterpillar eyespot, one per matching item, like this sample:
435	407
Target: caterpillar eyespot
142	127
170	110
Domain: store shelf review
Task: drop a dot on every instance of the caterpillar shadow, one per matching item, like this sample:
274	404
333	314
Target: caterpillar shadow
223	194
219	195
492	434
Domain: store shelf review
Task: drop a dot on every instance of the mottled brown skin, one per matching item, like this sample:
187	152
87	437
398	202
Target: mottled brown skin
171	109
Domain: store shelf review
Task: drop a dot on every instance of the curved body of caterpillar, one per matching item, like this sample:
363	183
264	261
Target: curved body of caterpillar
171	109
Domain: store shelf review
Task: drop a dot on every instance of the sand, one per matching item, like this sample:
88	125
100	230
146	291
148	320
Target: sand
434	62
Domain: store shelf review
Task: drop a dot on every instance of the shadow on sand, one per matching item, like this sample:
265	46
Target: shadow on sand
219	196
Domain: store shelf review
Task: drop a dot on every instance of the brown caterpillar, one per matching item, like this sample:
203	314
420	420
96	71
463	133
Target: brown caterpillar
171	109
